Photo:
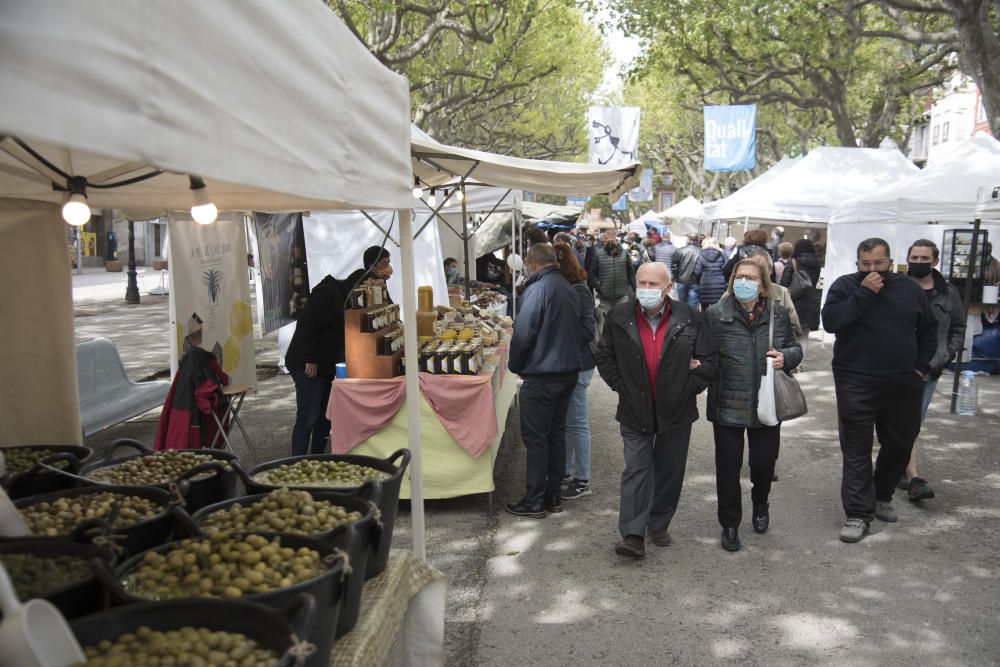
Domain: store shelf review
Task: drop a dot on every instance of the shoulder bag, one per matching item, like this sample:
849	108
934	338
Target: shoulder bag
789	401
800	284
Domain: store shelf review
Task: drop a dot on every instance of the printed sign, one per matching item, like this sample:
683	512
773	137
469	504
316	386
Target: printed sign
283	287
731	138
644	191
614	135
210	295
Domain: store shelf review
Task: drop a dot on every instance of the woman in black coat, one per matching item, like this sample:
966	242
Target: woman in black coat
708	273
805	259
740	325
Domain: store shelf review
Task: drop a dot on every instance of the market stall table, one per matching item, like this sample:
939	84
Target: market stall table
462	421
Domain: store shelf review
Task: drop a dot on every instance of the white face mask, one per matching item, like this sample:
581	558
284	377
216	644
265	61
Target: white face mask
649	298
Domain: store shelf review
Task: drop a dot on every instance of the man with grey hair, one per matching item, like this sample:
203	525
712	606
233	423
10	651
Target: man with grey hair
545	352
657	355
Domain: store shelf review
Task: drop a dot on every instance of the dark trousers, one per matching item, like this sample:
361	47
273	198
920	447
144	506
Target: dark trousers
543	406
763	443
652	479
311	398
894	412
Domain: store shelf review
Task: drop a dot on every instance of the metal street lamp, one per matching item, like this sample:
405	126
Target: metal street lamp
132	290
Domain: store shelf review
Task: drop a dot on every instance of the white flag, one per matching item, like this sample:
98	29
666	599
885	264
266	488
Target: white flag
614	135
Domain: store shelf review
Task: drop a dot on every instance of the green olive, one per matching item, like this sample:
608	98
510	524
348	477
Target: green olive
320	473
62	515
282	510
156	468
186	646
35	575
22	459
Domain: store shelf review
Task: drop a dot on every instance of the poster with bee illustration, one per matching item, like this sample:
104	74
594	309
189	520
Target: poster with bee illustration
210	294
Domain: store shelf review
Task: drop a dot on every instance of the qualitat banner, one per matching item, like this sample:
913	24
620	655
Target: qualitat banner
731	137
614	135
210	295
283	287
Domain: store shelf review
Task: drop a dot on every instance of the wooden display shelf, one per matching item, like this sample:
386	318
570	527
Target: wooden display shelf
361	350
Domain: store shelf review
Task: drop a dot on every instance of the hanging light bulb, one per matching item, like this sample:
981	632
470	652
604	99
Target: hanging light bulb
76	211
203	211
417	190
432	200
460	195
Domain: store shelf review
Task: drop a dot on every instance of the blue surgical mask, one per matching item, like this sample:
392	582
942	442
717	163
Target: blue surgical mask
453	272
649	298
745	290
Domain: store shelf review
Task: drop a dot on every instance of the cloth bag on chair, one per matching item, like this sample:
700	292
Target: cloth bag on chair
780	397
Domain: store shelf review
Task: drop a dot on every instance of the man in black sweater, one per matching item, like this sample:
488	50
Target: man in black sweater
886	339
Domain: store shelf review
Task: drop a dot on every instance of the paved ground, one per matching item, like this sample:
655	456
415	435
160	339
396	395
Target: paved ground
552	592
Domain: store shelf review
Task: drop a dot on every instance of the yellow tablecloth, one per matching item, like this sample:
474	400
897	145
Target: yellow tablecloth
449	471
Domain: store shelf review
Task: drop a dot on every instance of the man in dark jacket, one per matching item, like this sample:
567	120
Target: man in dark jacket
318	346
611	273
886	339
682	271
947	305
658	355
545	352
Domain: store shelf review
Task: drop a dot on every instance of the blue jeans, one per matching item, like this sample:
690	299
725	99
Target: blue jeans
578	429
311	398
687	294
925	402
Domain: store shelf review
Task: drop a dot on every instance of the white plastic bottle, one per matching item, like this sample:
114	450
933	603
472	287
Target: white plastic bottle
968	394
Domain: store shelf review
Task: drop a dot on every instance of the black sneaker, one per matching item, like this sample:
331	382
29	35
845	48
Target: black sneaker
632	546
919	489
578	488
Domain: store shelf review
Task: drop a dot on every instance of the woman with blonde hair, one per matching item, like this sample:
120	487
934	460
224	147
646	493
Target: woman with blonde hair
740	323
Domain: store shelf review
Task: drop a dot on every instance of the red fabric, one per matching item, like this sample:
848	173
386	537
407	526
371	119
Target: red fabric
464	405
652	349
358	409
185	420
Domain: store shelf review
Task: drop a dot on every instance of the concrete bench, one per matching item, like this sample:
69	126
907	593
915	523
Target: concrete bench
107	396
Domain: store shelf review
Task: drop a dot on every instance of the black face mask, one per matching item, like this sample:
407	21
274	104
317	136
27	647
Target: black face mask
921	270
611	248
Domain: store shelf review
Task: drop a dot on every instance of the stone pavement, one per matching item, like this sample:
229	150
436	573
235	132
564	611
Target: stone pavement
552	592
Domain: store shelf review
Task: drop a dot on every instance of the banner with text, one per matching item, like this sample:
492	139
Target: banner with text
731	138
210	295
283	287
644	191
614	135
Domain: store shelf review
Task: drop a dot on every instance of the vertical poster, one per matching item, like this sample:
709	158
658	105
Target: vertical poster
283	287
643	191
731	137
614	135
210	294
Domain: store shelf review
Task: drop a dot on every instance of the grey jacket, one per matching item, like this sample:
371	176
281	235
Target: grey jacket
950	313
732	400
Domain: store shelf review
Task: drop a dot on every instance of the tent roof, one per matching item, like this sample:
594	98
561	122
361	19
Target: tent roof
713	209
261	99
945	191
811	189
435	163
687	209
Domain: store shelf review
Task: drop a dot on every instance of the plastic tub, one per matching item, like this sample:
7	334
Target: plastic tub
388	505
367	532
38	479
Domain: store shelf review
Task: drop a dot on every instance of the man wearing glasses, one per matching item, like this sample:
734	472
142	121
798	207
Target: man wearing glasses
886	339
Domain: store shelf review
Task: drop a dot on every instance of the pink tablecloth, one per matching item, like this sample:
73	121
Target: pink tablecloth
359	409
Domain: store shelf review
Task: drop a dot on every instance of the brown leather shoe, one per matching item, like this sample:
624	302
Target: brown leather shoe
632	546
660	538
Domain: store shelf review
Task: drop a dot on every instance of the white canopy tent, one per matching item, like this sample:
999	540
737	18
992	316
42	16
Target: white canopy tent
721	209
684	217
940	197
135	96
810	189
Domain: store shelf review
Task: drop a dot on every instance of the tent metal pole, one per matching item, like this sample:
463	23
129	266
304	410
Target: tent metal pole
465	241
412	382
966	298
515	248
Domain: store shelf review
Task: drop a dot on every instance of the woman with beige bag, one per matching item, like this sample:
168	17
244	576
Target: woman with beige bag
741	326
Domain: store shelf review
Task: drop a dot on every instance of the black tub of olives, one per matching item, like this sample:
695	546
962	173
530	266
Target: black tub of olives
269	569
143	516
27	474
61	572
215	630
316	513
208	471
343	473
